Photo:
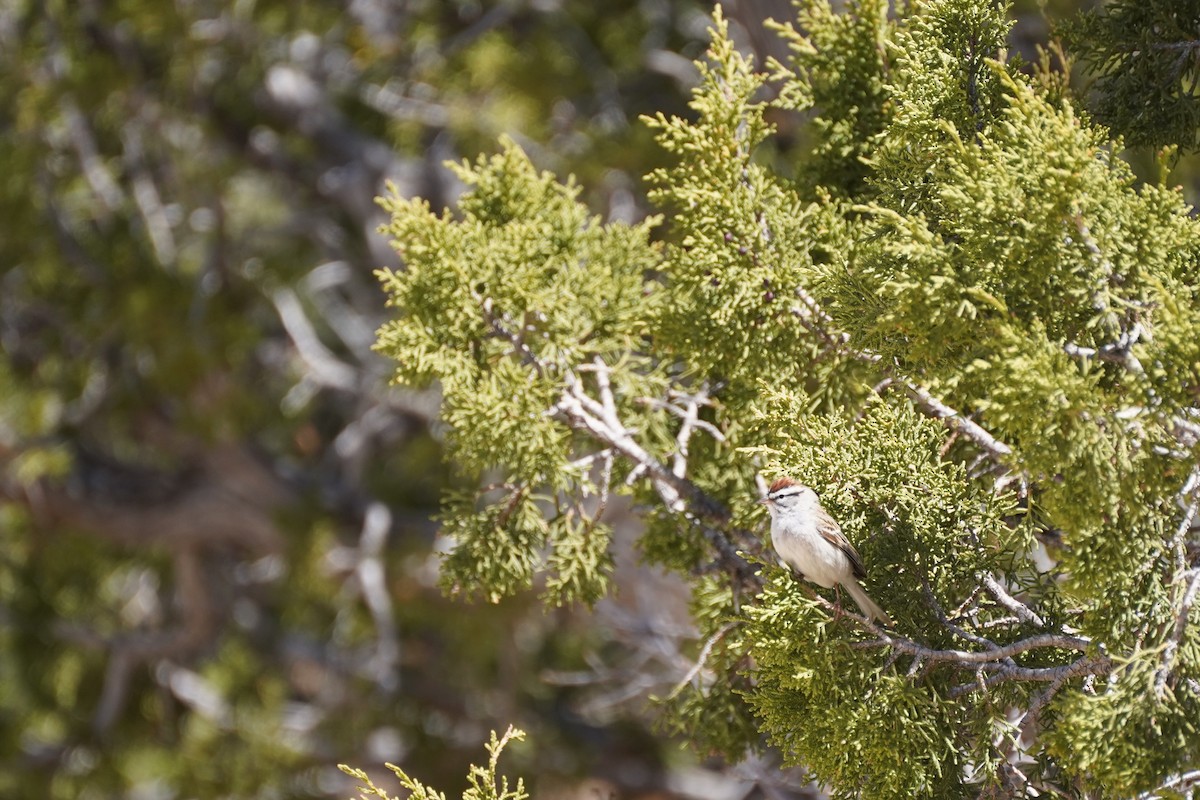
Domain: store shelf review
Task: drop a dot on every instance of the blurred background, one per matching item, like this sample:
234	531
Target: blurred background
218	535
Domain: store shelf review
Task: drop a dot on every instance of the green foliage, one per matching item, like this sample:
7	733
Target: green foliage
972	257
714	715
1145	56
913	516
838	68
172	171
989	309
745	242
499	306
850	726
942	89
484	784
1125	738
923	528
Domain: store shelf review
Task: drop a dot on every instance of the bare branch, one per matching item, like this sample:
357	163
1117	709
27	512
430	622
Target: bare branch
685	414
1182	601
1189	516
815	319
1118	352
197	626
957	630
372	581
605	484
1001	596
690	415
680	496
148	199
957	422
324	367
1038	703
705	652
989	667
1181	621
991	655
95	170
1093	665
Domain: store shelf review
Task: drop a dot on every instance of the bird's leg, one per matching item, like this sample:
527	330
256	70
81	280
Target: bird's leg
837	602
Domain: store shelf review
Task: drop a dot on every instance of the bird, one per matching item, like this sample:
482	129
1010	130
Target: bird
811	542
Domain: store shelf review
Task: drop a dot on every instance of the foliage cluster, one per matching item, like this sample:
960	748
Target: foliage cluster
1145	58
968	327
483	782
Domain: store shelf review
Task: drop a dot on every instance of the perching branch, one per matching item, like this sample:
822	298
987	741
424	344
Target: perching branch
991	655
1057	676
992	665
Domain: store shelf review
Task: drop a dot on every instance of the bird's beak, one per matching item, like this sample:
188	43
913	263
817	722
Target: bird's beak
766	501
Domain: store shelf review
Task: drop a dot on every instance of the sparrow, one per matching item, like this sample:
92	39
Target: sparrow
811	542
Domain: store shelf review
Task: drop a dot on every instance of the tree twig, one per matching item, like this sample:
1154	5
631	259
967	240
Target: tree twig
1001	596
957	422
1185	780
1173	641
599	419
701	659
499	327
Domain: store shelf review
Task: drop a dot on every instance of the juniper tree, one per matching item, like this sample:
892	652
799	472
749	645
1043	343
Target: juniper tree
963	322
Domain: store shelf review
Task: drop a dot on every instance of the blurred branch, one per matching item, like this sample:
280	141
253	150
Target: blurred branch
197	627
1177	784
147	198
224	504
702	658
325	368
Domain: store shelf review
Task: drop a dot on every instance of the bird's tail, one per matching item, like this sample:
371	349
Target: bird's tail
868	606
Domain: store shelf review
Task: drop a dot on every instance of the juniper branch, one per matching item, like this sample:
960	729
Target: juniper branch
957	421
1001	596
996	661
1181	620
600	421
818	321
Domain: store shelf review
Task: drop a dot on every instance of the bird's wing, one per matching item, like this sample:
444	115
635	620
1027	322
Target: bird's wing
832	533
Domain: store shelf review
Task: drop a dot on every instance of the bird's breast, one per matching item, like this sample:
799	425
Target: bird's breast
810	554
